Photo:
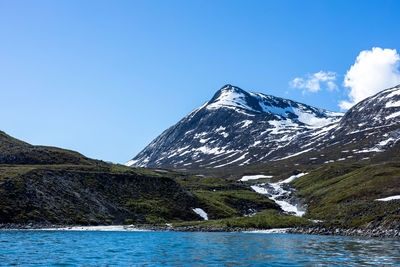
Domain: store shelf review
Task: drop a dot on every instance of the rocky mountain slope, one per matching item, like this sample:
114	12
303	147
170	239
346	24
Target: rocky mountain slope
233	128
51	185
236	128
14	151
77	195
367	129
46	185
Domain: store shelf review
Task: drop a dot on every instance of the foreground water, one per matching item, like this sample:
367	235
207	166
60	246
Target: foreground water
91	248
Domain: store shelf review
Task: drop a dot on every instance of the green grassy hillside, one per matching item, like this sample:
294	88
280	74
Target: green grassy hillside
55	186
345	195
14	151
63	194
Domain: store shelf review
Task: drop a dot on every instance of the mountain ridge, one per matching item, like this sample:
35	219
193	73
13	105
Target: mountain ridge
237	128
240	112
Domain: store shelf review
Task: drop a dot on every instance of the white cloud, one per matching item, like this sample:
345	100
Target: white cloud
314	82
373	71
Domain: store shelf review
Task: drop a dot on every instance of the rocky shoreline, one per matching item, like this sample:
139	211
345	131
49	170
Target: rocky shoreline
31	226
387	233
319	230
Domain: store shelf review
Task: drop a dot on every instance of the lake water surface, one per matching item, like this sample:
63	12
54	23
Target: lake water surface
95	248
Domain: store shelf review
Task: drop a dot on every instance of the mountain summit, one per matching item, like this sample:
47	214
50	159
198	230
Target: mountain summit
233	128
235	98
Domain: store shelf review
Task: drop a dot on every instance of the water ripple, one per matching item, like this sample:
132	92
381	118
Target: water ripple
86	248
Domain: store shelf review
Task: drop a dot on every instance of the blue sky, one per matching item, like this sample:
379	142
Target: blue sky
106	77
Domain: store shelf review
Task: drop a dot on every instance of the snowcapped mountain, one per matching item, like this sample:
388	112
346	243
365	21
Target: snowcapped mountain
373	125
233	128
370	127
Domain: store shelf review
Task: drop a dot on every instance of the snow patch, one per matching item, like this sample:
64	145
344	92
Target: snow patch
368	150
224	134
131	162
393	115
393	104
388	198
246	123
296	154
220	128
291	178
311	119
253	177
233	161
256	143
204	140
201	213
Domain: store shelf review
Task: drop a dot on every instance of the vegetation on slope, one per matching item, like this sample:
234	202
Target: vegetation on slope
74	194
225	198
52	185
14	151
344	195
233	203
266	219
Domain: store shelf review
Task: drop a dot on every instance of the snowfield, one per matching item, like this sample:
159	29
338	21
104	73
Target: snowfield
253	177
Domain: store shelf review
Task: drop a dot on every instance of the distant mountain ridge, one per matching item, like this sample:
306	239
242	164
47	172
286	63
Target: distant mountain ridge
14	151
233	128
371	126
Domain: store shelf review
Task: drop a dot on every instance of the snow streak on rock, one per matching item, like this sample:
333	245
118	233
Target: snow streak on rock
201	213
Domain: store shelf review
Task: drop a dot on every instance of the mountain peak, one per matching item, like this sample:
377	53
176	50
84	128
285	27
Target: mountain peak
234	128
233	97
229	89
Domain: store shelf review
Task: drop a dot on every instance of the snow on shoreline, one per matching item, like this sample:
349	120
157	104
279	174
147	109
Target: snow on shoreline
268	231
101	228
131	228
388	198
253	177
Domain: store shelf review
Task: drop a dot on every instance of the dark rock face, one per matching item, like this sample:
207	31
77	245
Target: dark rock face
233	128
49	185
82	196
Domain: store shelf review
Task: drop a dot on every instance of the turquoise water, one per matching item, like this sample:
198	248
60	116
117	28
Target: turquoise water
89	248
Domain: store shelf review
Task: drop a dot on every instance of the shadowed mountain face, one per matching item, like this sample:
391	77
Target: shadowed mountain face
233	128
49	185
237	128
